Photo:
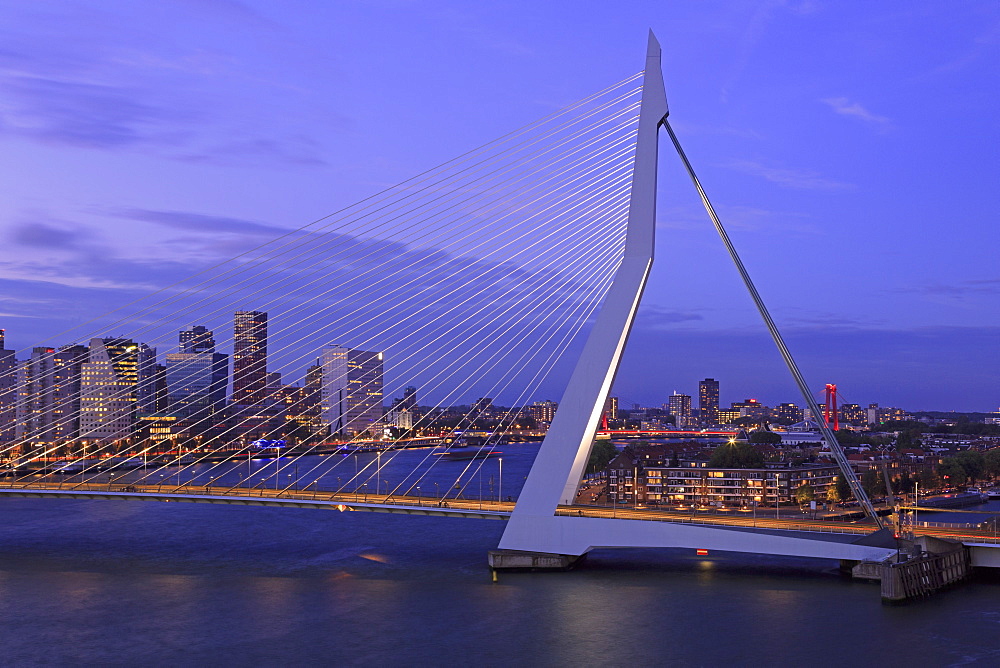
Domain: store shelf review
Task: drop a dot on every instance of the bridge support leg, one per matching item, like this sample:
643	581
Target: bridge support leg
847	565
520	560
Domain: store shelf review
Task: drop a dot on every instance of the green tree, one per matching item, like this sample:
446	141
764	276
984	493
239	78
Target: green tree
872	482
908	439
804	493
973	462
952	471
765	438
839	490
601	455
736	456
991	462
904	484
929	479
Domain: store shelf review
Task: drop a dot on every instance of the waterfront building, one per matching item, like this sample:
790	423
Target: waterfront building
8	392
108	389
708	401
249	357
196	377
151	391
679	405
48	394
543	411
635	478
351	394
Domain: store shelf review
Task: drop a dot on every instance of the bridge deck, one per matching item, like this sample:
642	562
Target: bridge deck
463	508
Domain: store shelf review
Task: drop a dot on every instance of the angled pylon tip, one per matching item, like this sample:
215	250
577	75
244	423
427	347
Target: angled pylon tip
653	46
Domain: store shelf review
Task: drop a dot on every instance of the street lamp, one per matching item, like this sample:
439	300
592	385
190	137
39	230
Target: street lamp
500	481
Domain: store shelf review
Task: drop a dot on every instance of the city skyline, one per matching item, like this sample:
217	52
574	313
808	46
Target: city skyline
826	167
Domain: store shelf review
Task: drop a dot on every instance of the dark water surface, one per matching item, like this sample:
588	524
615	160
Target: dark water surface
138	583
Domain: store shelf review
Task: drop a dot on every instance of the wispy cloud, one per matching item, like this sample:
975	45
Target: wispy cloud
958	290
790	178
657	317
197	222
846	107
80	114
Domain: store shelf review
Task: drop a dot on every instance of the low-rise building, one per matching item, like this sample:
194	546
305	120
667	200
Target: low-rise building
635	479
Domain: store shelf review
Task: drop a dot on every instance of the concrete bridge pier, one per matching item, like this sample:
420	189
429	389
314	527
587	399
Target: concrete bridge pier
522	560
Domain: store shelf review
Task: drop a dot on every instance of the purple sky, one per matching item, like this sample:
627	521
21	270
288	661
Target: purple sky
850	148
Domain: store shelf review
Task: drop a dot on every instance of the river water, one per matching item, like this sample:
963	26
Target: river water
115	584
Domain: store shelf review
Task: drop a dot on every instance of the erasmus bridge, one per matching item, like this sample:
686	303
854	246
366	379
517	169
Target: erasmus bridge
480	277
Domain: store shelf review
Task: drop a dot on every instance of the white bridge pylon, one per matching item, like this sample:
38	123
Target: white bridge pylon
559	466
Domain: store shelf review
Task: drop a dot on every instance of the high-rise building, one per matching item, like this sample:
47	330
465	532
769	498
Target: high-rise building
151	391
351	396
611	408
403	412
679	406
249	357
198	339
108	389
196	378
409	400
708	401
48	394
8	392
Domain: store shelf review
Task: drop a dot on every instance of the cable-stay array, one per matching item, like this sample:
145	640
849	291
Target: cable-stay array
473	279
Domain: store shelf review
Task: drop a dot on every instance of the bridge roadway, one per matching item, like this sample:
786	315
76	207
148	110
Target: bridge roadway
464	508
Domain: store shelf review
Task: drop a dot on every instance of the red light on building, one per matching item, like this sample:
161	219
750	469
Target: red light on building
701	553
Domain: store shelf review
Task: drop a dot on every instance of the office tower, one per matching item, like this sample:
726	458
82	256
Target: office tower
196	377
8	392
409	400
403	411
611	408
351	396
679	405
108	389
708	401
196	384
150	392
48	394
198	339
249	357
